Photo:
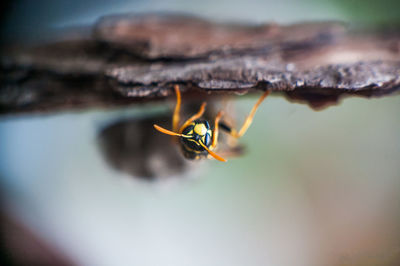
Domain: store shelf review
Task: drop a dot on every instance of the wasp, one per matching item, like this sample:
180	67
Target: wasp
197	139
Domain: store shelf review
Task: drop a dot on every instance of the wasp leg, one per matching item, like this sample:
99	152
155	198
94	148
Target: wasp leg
249	119
194	117
176	116
216	130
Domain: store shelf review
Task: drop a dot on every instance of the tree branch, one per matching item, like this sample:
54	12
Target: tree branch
130	59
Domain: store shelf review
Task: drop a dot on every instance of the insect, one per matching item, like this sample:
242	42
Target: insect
197	139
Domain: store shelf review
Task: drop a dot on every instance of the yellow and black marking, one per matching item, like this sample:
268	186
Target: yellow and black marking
196	137
196	132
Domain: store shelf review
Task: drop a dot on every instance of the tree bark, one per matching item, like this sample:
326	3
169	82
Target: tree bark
131	59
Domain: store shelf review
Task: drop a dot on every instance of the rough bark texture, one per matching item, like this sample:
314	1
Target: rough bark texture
130	59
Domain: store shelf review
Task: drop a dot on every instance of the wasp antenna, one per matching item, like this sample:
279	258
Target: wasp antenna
213	154
168	132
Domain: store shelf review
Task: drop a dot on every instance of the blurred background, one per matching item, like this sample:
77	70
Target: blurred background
313	188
